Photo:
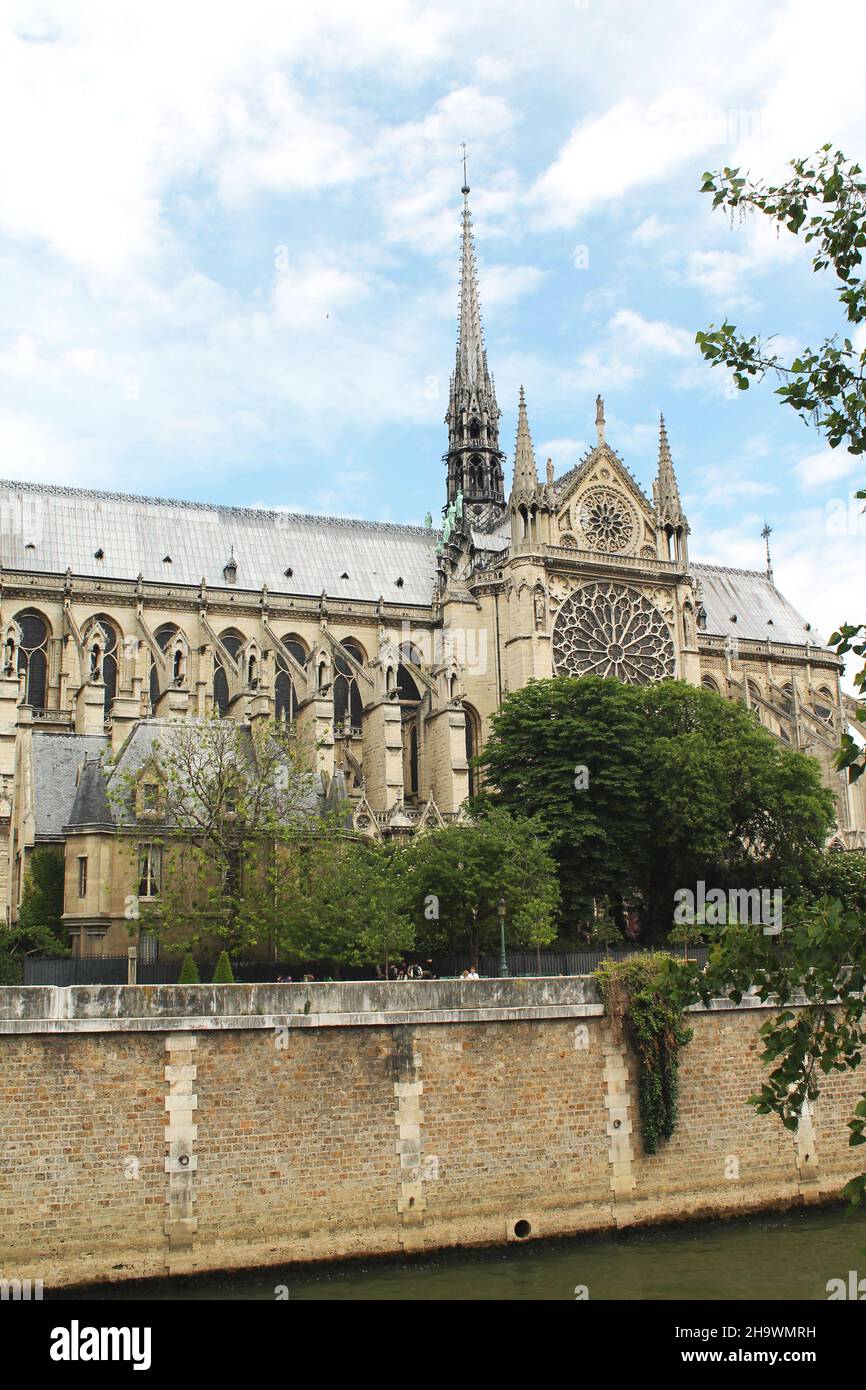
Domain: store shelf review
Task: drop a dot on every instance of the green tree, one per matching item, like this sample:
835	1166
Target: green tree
840	875
234	803
824	201
645	789
455	878
39	930
347	903
543	737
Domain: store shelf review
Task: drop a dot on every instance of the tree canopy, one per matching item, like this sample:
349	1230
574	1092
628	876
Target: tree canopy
644	789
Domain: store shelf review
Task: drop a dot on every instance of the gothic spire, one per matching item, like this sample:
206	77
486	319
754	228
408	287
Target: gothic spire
525	474
474	458
665	491
471	356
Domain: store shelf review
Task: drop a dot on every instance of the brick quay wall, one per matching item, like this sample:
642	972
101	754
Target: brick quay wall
153	1130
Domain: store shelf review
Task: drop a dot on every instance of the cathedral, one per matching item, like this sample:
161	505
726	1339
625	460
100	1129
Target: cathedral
387	647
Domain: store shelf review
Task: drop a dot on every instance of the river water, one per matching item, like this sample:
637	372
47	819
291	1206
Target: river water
790	1256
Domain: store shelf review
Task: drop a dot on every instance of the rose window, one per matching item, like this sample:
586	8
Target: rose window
605	629
607	520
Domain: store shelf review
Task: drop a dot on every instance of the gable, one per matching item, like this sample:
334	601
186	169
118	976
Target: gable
602	507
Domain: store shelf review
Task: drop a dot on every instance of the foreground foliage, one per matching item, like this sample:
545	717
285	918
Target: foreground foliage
818	963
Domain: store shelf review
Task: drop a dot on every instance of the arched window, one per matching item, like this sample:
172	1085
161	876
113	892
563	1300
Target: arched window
824	704
406	683
232	641
348	705
164	635
285	696
473	745
33	657
109	659
412	780
709	684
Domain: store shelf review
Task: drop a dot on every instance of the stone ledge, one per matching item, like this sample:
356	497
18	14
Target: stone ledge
272	1022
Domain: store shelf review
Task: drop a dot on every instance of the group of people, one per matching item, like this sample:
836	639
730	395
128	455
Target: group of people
402	971
415	971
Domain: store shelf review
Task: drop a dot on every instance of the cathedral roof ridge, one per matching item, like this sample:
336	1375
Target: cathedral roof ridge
363	523
731	569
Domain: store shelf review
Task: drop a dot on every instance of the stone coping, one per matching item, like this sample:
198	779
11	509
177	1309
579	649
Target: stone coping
340	1004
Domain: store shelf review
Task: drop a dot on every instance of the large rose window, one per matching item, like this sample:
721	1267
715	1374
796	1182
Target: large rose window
606	519
606	629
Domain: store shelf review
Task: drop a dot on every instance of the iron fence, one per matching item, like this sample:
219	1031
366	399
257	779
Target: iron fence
113	970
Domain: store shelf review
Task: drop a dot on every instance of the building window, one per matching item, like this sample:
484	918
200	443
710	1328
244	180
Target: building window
232	641
164	635
82	876
285	695
108	662
149	870
148	947
150	796
233	873
33	658
348	705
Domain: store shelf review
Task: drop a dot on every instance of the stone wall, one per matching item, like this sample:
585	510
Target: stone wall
168	1129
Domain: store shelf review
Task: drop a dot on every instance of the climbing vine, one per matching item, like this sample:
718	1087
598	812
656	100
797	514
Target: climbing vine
637	1006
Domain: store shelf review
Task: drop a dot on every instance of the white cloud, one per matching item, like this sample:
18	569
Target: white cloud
652	336
564	451
310	293
500	285
826	466
630	145
651	229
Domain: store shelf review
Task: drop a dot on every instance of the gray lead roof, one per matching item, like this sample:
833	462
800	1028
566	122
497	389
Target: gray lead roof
49	529
745	603
56	760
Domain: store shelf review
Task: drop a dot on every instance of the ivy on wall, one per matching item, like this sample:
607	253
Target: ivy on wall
633	995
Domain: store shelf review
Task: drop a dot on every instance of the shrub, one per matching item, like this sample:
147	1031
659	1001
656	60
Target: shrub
223	975
188	971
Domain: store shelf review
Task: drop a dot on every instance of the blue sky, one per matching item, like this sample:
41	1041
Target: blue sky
229	246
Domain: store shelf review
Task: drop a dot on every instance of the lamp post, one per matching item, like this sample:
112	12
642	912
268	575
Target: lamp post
503	963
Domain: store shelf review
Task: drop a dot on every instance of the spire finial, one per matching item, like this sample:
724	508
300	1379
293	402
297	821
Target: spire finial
599	418
525	475
765	535
465	189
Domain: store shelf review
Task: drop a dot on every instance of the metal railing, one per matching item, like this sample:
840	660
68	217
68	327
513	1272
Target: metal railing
113	970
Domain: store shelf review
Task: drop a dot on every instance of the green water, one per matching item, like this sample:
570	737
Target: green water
774	1257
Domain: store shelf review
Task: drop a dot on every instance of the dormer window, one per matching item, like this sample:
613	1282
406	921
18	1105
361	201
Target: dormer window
150	797
99	554
230	569
288	572
166	559
399	582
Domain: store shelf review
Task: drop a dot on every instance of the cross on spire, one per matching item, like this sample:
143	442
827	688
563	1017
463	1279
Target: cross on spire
765	536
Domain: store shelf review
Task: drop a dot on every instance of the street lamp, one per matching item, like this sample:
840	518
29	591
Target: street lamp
503	963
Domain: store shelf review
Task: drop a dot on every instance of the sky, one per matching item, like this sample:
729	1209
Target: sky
229	247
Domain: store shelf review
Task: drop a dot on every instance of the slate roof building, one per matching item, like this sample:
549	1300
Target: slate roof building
387	648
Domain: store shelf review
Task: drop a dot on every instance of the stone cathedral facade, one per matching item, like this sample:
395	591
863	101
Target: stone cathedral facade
387	647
